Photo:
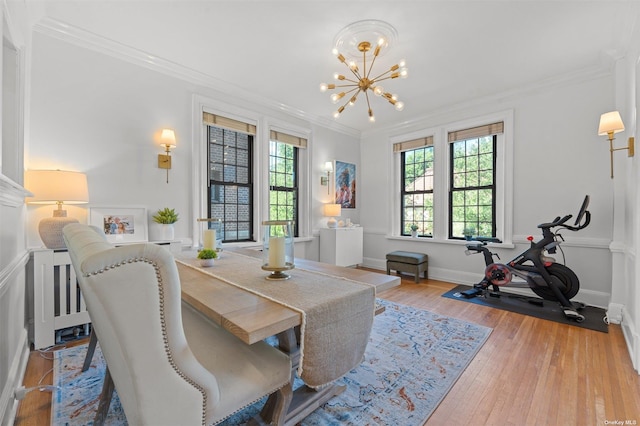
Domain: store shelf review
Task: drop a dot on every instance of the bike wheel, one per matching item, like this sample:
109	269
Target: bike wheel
564	278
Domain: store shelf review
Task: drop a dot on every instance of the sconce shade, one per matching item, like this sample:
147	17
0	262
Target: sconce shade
610	122
168	138
328	166
56	187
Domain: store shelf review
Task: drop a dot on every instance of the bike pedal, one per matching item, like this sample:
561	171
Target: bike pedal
495	294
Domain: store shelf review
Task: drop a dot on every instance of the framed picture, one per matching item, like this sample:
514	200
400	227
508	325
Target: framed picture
120	224
345	184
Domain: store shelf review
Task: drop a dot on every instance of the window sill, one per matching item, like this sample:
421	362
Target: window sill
431	240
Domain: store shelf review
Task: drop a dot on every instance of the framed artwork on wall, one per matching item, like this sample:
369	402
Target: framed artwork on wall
345	184
121	224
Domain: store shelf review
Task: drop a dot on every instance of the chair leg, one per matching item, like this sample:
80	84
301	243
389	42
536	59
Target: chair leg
105	399
93	341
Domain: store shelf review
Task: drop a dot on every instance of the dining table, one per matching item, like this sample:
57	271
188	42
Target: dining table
321	317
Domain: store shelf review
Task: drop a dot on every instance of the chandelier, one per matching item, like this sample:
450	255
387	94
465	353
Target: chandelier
357	40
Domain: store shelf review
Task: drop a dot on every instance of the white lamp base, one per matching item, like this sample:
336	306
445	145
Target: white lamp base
50	229
332	223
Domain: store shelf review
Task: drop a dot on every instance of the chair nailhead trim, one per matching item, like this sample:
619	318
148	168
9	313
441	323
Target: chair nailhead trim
162	323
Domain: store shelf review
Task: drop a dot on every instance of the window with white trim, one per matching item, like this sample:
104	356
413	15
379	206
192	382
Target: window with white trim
455	176
416	205
472	181
283	177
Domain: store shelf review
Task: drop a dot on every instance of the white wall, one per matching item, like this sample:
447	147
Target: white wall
558	158
98	114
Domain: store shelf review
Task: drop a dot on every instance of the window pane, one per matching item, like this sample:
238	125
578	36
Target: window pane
472	193
230	184
283	184
417	191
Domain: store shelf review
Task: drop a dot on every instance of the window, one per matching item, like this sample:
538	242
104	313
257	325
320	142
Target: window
417	185
454	176
283	177
472	181
230	191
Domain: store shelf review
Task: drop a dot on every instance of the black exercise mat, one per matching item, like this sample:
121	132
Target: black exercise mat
549	310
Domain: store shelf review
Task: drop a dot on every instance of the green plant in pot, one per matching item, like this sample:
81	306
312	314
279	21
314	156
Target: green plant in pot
207	256
414	230
166	218
468	233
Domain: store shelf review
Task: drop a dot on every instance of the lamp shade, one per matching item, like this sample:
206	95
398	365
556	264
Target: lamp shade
610	122
56	187
332	210
168	138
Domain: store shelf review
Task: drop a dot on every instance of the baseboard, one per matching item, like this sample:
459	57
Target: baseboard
8	404
631	339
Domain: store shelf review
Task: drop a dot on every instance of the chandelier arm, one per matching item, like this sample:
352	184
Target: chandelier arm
354	72
366	95
373	61
345	85
379	77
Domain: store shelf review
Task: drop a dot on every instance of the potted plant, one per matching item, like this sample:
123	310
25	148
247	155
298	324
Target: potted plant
414	230
166	218
207	256
468	233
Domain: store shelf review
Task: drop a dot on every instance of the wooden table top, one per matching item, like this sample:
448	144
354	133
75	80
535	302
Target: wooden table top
251	317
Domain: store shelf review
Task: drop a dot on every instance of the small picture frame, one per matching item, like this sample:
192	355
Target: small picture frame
121	225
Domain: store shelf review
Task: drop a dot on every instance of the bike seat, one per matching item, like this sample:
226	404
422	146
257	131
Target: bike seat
487	239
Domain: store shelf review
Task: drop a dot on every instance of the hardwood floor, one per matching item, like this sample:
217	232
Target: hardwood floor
529	372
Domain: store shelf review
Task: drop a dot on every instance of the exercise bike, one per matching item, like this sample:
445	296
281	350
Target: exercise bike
546	278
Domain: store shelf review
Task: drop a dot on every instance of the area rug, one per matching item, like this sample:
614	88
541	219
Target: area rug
412	360
535	307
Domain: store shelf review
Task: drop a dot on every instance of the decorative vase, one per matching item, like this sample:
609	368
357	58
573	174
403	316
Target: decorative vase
414	234
167	232
205	263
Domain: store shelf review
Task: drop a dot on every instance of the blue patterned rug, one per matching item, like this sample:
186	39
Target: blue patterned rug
412	360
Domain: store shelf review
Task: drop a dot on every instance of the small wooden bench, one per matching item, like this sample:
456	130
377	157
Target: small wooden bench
406	261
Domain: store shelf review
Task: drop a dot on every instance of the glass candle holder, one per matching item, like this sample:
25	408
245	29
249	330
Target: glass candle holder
277	248
209	233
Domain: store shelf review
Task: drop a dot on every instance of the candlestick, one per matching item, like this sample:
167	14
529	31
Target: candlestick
276	252
209	239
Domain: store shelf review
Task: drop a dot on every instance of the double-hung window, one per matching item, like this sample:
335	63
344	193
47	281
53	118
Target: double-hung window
416	160
455	180
472	181
284	177
230	180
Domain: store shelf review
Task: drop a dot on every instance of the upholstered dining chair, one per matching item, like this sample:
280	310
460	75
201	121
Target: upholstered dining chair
169	364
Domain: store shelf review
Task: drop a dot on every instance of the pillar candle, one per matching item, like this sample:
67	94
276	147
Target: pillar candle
209	239
276	252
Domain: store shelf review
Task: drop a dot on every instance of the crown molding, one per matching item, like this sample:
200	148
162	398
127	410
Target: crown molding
570	78
88	40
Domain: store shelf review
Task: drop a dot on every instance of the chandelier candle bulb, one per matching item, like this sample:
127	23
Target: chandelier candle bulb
209	239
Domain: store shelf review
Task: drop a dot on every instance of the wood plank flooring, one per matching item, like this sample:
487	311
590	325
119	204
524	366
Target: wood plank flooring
529	372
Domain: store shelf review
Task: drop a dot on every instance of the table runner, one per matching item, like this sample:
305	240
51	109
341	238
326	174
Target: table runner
337	313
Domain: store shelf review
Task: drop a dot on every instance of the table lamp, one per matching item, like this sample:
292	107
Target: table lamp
56	187
332	211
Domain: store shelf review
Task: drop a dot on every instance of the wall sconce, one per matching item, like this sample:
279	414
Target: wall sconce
56	187
611	123
332	211
328	169
168	141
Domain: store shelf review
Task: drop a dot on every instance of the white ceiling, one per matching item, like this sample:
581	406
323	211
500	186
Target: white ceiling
456	51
